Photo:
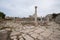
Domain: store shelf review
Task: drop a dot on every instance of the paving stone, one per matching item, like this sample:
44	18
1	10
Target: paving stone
46	33
21	39
27	37
51	32
41	38
39	30
35	35
31	32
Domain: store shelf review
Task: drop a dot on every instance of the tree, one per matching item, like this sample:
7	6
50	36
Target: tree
54	15
2	15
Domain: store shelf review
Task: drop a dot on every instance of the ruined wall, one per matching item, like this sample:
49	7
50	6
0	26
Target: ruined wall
54	17
57	19
4	35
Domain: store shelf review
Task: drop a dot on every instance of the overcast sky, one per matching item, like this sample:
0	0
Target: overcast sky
24	8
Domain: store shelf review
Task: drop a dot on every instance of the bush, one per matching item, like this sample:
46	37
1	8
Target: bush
2	15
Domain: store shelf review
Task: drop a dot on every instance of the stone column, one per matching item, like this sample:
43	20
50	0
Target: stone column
47	19
41	18
35	15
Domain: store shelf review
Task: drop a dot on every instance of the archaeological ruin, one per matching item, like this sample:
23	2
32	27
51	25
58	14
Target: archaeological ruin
31	28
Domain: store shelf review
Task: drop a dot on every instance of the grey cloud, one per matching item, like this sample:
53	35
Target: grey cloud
26	7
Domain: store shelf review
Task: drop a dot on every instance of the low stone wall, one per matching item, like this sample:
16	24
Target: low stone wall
5	35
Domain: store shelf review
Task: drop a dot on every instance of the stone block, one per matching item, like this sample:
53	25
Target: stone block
4	35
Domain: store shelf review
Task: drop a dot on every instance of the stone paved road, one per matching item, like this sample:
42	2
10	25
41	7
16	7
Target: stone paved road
51	32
